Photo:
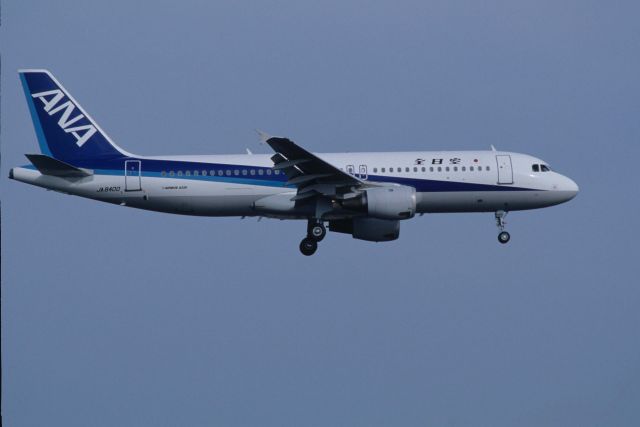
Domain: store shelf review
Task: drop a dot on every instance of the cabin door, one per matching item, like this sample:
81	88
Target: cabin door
505	170
132	173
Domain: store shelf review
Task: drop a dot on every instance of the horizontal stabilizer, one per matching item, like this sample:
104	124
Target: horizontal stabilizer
50	166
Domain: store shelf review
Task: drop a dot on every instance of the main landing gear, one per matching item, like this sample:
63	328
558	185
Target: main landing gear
316	231
504	236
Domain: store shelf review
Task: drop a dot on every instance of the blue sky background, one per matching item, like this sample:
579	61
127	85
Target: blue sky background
115	316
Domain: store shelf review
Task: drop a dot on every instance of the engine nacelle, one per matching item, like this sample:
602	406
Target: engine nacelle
389	202
370	229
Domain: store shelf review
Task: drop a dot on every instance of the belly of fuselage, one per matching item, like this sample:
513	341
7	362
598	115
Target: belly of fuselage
483	201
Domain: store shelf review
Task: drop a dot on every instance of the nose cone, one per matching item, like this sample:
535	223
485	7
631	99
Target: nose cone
569	188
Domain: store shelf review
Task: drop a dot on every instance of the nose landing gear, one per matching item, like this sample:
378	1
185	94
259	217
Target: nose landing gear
504	236
316	231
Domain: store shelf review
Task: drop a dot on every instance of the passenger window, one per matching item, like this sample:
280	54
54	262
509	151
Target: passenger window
220	172
382	170
479	168
212	172
268	171
455	169
424	169
196	173
244	171
471	168
204	173
535	168
260	171
415	169
179	173
277	171
171	173
447	169
431	169
228	172
252	171
390	169
464	169
487	168
163	173
406	169
544	168
375	170
439	168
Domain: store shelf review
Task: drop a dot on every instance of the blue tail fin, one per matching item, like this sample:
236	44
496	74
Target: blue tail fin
65	131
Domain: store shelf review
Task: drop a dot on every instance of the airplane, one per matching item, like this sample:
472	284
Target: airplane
365	195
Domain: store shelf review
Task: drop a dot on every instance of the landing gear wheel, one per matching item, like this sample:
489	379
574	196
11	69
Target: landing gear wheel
318	231
504	237
308	246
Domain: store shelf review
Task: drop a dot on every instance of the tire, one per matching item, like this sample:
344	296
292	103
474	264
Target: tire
308	246
504	237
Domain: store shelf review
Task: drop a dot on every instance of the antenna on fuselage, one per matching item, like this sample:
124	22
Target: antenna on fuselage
493	148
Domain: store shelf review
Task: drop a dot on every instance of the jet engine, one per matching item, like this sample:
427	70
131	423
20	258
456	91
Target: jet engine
388	202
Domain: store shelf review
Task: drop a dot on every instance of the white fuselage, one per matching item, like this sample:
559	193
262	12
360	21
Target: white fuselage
231	185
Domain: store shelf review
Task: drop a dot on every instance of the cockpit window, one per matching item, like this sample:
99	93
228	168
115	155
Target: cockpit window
535	168
544	168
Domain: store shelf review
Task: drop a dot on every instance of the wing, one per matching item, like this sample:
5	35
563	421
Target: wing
311	175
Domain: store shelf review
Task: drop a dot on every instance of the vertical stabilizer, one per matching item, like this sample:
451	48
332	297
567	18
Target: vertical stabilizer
65	131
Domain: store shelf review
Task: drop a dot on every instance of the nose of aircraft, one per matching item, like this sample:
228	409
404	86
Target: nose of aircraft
568	187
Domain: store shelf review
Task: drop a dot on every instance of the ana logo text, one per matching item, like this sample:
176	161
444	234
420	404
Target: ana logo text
51	99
